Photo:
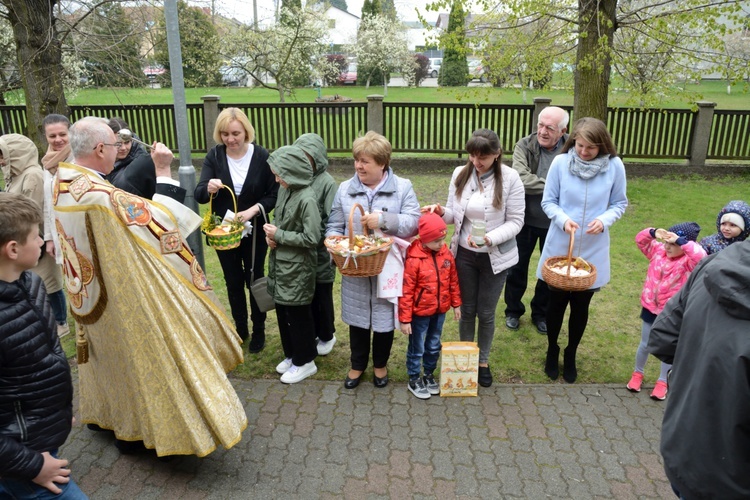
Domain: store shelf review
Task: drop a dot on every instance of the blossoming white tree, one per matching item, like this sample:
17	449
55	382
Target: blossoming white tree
290	52
381	44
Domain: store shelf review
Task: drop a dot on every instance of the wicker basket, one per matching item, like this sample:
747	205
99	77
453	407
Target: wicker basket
566	281
361	265
228	240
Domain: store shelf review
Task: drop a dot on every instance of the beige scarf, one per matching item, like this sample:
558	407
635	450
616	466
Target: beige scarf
52	158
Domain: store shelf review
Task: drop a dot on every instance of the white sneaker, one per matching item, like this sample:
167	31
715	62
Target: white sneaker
326	347
282	367
298	373
63	330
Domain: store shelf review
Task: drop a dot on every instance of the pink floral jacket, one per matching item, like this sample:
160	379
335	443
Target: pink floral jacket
665	276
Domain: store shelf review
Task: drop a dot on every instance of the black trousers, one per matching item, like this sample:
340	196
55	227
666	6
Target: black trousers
236	265
297	333
359	341
518	277
322	311
577	321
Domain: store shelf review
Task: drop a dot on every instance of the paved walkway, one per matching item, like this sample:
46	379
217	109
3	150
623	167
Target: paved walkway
318	440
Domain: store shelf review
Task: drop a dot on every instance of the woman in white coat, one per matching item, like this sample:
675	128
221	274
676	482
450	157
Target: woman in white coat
483	191
585	193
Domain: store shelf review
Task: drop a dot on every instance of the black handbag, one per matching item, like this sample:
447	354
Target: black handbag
259	287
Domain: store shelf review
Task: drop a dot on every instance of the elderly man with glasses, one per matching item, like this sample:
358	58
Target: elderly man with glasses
153	343
532	157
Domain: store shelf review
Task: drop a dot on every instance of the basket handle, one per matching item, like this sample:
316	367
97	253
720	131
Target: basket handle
351	222
570	250
211	199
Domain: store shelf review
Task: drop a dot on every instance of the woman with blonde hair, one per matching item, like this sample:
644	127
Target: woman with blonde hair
240	164
392	207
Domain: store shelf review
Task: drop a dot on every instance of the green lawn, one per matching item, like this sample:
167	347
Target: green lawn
707	90
608	348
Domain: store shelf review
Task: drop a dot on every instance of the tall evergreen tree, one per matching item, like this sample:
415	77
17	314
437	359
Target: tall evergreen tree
339	4
371	8
389	9
454	71
199	40
110	41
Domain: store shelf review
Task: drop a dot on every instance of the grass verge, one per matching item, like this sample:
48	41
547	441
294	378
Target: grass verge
607	351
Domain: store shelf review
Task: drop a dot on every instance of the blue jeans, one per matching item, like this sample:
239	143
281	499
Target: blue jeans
424	344
57	301
19	489
480	292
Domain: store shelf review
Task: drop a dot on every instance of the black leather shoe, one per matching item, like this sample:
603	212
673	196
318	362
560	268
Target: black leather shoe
512	323
351	383
257	343
379	382
129	447
541	326
485	375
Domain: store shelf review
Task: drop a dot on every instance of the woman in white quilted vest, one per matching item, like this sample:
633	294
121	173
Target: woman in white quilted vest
392	207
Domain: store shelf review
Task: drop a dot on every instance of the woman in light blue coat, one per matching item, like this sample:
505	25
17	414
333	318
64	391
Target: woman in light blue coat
392	207
585	193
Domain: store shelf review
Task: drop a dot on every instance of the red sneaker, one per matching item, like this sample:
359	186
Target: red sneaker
660	391
635	382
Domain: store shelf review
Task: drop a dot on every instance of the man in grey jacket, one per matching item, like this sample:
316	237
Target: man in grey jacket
532	157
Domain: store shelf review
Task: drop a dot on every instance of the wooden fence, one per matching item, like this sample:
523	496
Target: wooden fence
662	134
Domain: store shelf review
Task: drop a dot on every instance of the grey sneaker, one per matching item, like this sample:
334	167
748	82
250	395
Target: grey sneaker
416	387
432	387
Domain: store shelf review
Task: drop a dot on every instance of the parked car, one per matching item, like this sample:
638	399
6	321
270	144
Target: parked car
349	77
232	76
476	70
434	68
152	72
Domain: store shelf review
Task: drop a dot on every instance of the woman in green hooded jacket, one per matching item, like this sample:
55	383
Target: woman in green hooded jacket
293	238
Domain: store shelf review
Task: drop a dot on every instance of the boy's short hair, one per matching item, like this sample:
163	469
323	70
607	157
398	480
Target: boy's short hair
18	214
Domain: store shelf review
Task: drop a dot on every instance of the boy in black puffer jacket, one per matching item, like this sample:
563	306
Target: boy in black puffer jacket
36	390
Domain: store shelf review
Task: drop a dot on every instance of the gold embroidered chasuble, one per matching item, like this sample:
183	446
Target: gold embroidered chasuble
159	343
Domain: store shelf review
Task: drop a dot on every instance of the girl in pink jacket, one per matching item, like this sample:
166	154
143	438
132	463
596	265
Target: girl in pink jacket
670	265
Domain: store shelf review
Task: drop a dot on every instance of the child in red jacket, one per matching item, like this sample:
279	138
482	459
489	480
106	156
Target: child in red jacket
430	289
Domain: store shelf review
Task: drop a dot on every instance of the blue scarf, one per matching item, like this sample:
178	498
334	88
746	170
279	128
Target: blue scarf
587	169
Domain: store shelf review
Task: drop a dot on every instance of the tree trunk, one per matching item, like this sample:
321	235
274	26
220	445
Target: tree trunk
596	24
40	60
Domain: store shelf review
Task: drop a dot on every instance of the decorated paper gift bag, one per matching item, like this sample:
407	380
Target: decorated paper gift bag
459	369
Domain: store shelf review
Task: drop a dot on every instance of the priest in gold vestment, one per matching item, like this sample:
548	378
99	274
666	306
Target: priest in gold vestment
154	345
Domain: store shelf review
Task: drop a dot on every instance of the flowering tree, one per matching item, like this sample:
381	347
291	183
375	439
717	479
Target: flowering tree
381	44
284	51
